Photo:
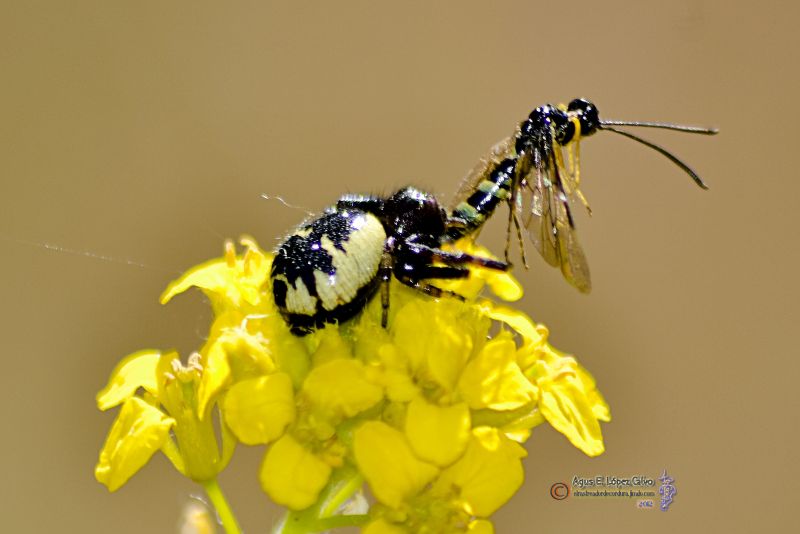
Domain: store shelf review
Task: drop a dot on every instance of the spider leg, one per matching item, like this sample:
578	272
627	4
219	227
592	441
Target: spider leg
385	276
459	258
430	290
432	272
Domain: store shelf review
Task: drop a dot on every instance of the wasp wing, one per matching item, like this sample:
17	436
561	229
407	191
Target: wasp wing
542	205
501	150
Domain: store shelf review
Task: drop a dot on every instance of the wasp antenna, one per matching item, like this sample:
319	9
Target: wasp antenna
663	125
674	159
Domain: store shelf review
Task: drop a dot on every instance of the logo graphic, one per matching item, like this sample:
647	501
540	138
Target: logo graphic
667	490
559	491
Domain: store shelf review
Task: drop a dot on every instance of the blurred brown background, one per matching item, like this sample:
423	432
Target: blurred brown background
136	136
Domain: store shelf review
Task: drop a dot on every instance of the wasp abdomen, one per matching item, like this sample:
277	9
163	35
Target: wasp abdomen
470	214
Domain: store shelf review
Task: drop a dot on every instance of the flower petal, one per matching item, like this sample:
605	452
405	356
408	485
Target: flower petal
137	370
228	281
517	320
502	284
494	380
386	461
292	475
381	526
505	286
216	375
340	388
488	474
480	526
565	405
331	346
138	432
259	409
437	338
437	434
600	407
233	350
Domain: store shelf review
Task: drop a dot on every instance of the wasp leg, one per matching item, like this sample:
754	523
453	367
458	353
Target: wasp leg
521	242
511	217
460	258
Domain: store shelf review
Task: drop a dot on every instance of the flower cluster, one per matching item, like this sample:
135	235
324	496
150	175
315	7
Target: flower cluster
430	413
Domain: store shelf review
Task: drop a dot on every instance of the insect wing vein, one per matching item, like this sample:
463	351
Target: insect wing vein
501	150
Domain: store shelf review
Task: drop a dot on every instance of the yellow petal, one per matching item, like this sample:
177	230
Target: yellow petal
494	380
505	286
480	526
287	351
600	407
488	474
234	350
399	386
369	338
340	387
135	371
437	434
502	284
565	405
259	409
437	338
216	375
386	461
292	475
517	320
228	281
138	432
381	526
331	346
390	370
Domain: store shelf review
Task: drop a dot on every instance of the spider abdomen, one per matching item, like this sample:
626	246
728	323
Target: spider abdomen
327	269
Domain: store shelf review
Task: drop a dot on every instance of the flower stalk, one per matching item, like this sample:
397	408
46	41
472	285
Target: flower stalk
224	512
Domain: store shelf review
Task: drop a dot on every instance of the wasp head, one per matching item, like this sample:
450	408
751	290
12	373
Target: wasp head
586	112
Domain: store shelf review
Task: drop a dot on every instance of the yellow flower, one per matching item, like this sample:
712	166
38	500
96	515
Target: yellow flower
229	282
292	474
297	467
429	412
167	405
425	498
139	431
570	402
568	397
257	410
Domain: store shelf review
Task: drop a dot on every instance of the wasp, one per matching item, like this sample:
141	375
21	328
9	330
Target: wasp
530	171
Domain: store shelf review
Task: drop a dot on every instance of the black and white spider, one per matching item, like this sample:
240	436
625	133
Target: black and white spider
329	268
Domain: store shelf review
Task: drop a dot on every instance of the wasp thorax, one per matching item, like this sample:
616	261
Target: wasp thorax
544	125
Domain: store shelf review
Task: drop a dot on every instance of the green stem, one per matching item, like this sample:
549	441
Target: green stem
221	505
341	521
344	483
318	517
